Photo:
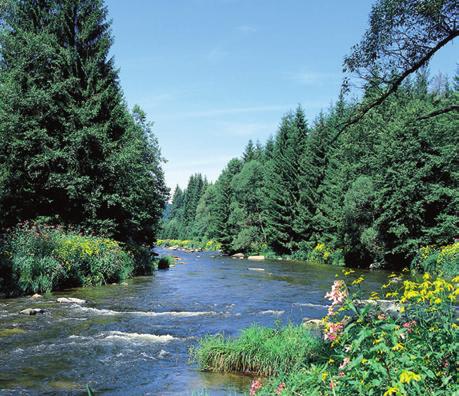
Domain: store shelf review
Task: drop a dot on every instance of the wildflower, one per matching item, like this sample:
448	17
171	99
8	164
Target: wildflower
255	387
324	376
358	281
332	384
280	388
341	373
345	362
374	296
397	347
391	391
407	376
332	331
409	325
364	361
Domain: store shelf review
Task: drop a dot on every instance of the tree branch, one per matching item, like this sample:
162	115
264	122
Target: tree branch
395	85
439	111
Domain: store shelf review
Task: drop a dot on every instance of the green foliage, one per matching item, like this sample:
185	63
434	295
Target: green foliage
259	350
441	261
370	349
71	151
40	259
189	244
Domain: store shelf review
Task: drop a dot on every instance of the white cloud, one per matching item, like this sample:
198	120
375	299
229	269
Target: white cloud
246	29
216	55
233	110
246	129
313	78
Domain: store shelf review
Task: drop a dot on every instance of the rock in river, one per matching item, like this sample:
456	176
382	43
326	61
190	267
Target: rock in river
238	255
71	300
32	311
256	258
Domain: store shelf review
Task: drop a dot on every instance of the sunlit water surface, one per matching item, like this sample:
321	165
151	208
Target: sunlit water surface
134	340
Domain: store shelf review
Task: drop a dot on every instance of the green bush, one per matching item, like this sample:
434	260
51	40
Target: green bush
40	259
165	262
259	350
443	261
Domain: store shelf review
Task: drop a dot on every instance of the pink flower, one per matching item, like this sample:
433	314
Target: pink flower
341	373
337	295
255	387
332	331
280	388
409	325
332	384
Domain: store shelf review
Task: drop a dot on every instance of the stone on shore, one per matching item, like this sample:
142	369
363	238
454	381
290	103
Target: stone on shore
36	295
238	255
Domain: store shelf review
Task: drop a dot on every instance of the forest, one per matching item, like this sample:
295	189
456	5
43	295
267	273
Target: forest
374	196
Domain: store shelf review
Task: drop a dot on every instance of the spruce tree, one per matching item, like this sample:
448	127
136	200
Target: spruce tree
73	153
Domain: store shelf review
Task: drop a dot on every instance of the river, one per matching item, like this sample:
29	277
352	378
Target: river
134	339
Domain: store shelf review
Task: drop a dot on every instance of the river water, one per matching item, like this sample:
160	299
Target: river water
134	340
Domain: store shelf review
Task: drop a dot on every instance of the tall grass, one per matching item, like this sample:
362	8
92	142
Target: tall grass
259	350
38	259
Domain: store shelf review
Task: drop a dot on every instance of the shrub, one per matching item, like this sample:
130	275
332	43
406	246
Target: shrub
443	261
373	352
165	262
41	259
259	350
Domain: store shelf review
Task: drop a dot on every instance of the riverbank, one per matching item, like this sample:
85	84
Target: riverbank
40	259
365	348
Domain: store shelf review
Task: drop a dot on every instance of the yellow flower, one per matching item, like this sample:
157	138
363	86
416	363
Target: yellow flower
391	391
426	276
397	347
392	275
324	376
402	309
364	361
358	281
407	376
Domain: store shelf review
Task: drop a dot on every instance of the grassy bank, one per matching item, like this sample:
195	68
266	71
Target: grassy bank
37	259
410	348
189	244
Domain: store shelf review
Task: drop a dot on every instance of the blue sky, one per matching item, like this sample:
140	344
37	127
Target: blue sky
213	74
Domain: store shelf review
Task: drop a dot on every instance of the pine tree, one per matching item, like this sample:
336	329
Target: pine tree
283	183
73	152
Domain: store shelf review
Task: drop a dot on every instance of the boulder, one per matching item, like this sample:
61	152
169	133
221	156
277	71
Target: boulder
124	284
238	255
256	258
36	295
313	323
32	311
70	300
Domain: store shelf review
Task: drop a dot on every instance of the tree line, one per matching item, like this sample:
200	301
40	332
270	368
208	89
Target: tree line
373	196
71	151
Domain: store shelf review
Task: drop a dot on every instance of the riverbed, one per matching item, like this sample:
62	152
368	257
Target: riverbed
134	339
